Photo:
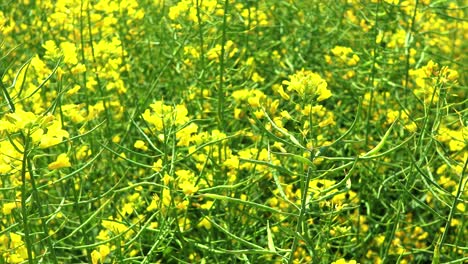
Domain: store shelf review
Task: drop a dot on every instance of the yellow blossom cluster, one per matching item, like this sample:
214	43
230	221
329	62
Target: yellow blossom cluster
199	130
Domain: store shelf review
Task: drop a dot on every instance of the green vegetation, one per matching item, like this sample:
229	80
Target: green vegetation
205	131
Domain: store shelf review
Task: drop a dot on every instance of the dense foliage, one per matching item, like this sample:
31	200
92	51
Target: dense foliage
212	131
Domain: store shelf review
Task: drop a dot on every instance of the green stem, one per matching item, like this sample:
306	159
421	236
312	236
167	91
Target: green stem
105	100
454	206
221	70
202	50
7	97
24	197
83	57
300	219
390	238
407	51
82	221
372	77
42	216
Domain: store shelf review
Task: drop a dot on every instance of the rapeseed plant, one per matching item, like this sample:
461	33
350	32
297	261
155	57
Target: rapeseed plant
226	131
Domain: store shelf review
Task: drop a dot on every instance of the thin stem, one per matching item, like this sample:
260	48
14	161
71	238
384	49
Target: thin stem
454	205
300	219
372	77
390	238
37	200
82	222
221	70
202	50
24	197
7	97
105	100
407	51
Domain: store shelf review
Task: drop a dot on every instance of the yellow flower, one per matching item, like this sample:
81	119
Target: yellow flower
280	90
8	207
232	162
114	226
207	205
15	258
204	223
73	90
83	152
343	261
100	256
182	206
154	204
96	257
323	92
307	83
79	68
55	134
184	136
52	51
69	53
240	95
175	11
62	162
188	188
20	120
157	165
140	144
184	224
103	235
116	139
257	78
104	250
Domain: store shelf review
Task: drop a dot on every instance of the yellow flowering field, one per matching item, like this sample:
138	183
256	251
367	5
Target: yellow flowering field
233	131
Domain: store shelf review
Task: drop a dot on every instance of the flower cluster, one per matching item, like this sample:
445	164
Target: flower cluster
198	131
